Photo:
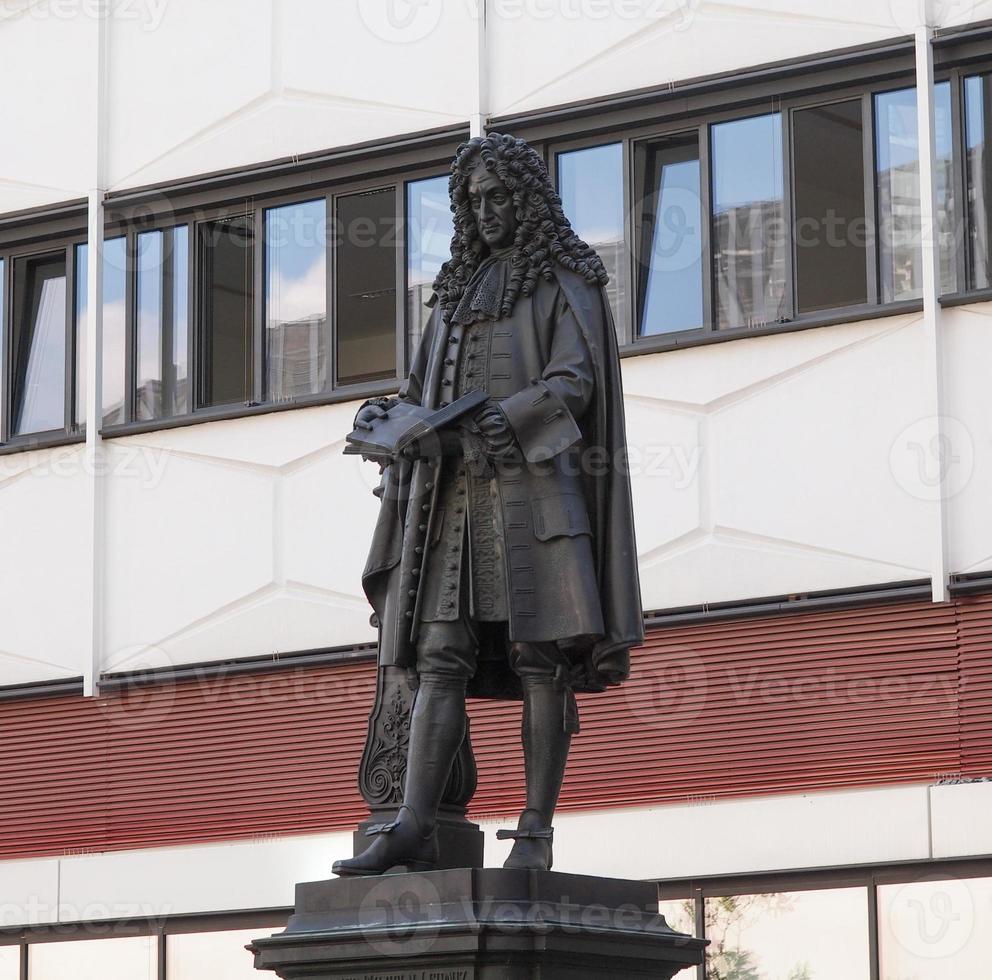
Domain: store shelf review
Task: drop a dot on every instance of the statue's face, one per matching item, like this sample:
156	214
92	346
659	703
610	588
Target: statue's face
492	205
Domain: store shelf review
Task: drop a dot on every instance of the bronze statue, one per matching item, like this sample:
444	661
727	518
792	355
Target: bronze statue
503	561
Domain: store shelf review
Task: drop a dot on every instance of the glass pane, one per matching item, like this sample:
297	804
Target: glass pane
978	105
365	313
163	291
830	230
749	240
940	930
214	955
225	342
900	254
10	962
590	183
3	341
429	230
782	936
114	357
297	346
38	344
131	958
670	232
680	916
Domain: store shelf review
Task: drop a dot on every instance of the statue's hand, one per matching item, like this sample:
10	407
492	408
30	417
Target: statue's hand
373	411
497	436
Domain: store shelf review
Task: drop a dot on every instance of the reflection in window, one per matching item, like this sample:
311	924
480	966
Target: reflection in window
941	930
162	262
680	915
133	958
429	229
749	240
670	235
978	122
213	955
830	232
900	254
297	346
114	327
38	345
782	936
365	294
10	956
590	183
225	342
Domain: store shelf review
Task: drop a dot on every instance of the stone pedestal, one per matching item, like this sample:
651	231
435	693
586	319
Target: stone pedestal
477	924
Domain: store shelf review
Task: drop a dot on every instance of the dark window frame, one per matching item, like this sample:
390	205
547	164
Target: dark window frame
297	186
33	242
778	90
869	878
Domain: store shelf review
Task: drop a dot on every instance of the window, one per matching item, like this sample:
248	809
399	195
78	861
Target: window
780	936
830	230
900	255
429	230
162	361
212	955
227	313
365	292
297	345
10	963
669	232
591	186
749	233
978	106
133	957
114	357
941	930
39	343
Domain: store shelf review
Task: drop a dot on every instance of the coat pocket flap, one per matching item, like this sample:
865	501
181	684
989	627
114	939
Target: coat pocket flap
563	514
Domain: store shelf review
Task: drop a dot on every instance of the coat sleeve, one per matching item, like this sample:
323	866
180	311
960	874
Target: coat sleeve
412	390
545	415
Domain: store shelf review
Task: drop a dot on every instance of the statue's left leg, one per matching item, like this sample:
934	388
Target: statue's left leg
549	718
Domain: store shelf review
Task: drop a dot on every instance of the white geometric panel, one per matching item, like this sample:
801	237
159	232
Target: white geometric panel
185	539
578	50
665	461
44	585
49	133
235	82
805	457
327	515
701	376
967	337
785	482
726	565
269	441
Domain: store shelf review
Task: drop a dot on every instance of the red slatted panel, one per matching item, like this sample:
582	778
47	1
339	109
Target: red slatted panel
975	614
781	704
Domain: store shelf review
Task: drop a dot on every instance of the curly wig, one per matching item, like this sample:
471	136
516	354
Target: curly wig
543	236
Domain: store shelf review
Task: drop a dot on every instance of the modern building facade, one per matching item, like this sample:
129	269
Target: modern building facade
219	223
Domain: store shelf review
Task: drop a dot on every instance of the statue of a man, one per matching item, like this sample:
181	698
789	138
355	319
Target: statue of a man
503	561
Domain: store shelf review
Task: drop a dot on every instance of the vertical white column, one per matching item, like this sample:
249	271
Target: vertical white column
933	367
94	450
477	122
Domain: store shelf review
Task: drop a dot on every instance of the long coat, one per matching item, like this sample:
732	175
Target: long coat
566	508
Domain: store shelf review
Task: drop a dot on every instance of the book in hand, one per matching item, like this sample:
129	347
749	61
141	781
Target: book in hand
405	424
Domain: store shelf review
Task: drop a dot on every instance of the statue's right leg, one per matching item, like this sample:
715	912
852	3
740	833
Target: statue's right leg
445	662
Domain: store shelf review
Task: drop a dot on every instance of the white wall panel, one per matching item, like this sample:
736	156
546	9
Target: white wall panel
29	892
580	49
964	462
48	110
237	538
210	86
960	818
44	595
777	474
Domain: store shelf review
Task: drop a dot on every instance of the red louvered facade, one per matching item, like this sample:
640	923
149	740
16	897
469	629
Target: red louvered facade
809	701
